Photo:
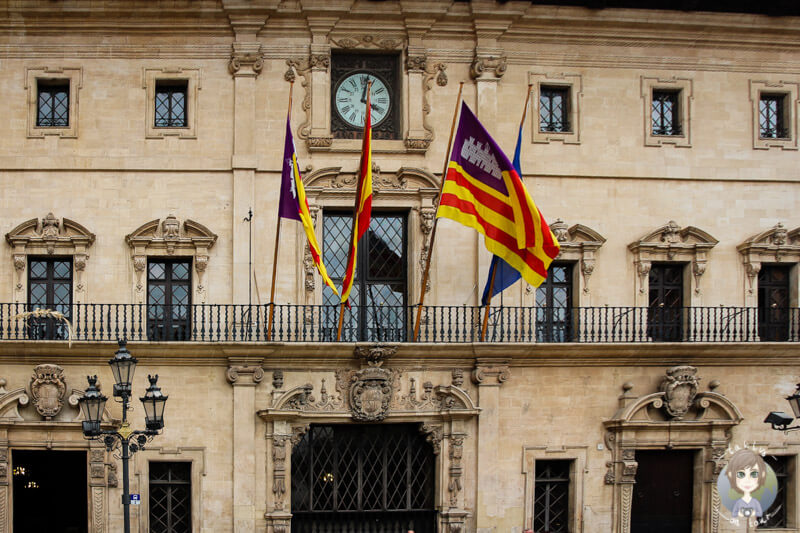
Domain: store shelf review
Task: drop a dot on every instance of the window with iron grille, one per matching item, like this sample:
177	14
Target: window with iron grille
551	496
554	305
554	108
771	117
52	108
169	290
775	516
49	287
170	497
377	478
665	115
170	108
378	297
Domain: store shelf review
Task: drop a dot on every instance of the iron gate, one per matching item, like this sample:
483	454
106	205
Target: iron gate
364	478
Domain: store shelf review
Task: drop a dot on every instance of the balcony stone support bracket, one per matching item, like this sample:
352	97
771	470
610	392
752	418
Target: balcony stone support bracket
168	238
775	245
50	236
676	417
675	244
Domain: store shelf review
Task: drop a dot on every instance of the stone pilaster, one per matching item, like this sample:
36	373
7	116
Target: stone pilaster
244	374
489	375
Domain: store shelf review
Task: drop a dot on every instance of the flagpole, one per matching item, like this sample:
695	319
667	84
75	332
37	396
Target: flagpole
355	211
496	266
277	240
435	219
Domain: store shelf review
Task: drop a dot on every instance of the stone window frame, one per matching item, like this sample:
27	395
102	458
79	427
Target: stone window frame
193	78
579	244
577	455
416	82
48	237
671	244
684	88
792	95
408	188
196	455
574	84
775	246
170	238
74	75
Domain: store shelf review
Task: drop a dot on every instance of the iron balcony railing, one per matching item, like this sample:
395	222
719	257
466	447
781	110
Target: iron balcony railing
440	324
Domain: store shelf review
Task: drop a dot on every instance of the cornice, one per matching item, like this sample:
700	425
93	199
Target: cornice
325	356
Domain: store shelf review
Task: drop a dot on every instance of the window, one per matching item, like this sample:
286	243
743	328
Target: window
172	96
378	298
170	498
773	302
775	517
554	305
665	113
170	106
772	116
49	287
551	496
554	109
52	107
558	97
665	313
169	289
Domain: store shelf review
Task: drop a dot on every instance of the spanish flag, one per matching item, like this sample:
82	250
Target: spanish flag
362	211
294	205
483	191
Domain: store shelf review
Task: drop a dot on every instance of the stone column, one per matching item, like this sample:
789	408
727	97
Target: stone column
489	375
487	69
5	527
244	374
245	65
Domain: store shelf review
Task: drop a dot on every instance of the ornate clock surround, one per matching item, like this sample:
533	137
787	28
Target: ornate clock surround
385	66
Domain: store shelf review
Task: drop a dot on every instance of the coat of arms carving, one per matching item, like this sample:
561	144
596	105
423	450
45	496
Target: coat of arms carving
47	389
371	392
679	388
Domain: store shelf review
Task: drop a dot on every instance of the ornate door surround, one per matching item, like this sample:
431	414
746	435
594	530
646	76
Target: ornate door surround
371	394
677	417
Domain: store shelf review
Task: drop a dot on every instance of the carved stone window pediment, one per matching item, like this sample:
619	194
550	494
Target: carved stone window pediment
579	243
50	236
775	245
671	243
166	238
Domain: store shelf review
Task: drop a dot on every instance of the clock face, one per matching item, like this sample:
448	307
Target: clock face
351	99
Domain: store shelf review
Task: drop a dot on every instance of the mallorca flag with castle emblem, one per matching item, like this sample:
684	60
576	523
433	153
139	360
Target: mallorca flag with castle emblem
483	191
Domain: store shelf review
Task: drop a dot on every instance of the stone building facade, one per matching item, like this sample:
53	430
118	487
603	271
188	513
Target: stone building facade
139	178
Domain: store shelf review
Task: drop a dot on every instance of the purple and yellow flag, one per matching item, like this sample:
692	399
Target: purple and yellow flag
293	203
483	191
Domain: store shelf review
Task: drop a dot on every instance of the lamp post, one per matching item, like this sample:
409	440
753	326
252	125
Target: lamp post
92	404
779	420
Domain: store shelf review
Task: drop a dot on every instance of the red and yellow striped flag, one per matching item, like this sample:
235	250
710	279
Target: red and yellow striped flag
363	207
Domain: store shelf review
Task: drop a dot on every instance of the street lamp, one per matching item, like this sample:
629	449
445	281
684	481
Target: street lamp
780	420
92	404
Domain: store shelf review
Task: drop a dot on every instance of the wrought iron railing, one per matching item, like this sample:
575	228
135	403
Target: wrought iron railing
439	324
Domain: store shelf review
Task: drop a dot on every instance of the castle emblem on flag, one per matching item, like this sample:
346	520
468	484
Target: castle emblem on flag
481	156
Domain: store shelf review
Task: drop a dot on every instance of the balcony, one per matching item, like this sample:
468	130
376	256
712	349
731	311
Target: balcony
439	324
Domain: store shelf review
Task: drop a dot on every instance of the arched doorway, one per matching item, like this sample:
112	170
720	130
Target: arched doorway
363	477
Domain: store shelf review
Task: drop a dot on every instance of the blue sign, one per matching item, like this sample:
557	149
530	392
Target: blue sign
136	499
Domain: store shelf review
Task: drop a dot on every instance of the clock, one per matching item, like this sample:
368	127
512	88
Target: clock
350	99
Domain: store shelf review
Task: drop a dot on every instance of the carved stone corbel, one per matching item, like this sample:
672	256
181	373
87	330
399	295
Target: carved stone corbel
491	374
643	271
426	219
433	434
456	452
247	374
488	64
246	59
279	469
19	266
